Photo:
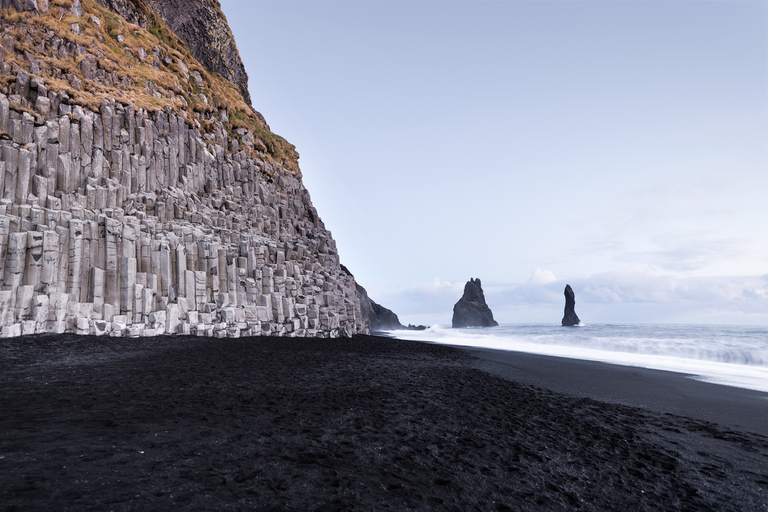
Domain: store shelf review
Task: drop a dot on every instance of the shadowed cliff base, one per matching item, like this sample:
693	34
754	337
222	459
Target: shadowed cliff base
319	424
376	317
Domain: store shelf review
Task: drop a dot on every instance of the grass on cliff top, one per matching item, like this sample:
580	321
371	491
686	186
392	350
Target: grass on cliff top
153	82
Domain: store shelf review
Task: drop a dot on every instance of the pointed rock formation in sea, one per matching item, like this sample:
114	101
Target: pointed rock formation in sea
570	317
471	310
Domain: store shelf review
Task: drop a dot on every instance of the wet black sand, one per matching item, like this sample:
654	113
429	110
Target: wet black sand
656	390
182	423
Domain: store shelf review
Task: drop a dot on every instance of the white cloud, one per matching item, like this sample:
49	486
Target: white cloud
542	276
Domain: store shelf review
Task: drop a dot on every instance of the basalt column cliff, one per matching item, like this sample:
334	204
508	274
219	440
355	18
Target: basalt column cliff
140	193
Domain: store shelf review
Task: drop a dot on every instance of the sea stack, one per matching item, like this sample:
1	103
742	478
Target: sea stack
570	318
471	310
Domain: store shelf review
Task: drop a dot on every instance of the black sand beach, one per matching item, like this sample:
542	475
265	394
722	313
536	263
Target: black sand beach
183	423
655	390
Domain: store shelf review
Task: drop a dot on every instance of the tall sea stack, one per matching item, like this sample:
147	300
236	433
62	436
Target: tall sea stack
471	310
141	193
570	318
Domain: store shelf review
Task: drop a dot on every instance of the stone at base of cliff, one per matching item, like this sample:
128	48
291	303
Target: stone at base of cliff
570	318
471	310
375	316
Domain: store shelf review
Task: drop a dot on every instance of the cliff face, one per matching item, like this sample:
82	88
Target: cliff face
375	316
140	194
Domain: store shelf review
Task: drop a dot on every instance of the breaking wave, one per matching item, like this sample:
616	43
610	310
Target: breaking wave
729	355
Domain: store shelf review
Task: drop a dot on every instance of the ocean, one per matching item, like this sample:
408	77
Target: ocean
732	355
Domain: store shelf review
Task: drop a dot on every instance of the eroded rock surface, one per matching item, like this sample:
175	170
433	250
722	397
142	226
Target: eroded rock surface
123	220
375	316
570	318
471	310
202	27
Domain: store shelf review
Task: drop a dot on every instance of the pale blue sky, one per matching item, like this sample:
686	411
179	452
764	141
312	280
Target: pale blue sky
618	146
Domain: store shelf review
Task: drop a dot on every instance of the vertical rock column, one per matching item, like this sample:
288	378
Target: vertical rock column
125	222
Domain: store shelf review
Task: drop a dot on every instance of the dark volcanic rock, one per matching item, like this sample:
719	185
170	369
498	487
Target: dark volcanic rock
570	317
375	316
471	310
379	318
383	319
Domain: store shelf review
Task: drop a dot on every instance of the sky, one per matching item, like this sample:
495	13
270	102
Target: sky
620	147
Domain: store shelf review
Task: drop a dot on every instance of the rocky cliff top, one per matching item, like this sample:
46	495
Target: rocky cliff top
201	26
123	50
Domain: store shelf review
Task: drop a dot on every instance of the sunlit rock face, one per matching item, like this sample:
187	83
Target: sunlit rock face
471	310
140	194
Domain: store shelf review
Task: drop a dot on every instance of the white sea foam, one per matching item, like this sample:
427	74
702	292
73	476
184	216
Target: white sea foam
730	355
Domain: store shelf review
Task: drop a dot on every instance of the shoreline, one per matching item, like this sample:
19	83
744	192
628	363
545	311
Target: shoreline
661	391
716	358
366	423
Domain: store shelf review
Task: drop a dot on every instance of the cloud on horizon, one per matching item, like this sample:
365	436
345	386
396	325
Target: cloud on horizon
607	297
686	251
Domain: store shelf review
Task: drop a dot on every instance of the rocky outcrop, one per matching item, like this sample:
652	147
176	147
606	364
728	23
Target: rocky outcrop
570	318
131	221
203	28
375	316
200	25
471	310
37	6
